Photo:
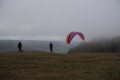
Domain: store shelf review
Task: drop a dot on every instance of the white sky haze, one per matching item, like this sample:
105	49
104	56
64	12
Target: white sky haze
54	19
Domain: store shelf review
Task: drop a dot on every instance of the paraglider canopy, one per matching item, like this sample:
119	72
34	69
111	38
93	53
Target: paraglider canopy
72	34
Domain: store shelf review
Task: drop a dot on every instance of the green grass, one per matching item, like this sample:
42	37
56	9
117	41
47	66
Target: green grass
48	66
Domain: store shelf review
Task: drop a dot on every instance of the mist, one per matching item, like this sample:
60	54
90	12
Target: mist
103	45
53	19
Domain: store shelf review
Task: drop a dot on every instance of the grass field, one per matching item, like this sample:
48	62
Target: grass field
48	66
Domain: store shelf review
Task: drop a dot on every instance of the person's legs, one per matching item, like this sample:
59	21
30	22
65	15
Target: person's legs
51	50
20	50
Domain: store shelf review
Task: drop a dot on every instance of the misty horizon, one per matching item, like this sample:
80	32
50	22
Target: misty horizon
53	20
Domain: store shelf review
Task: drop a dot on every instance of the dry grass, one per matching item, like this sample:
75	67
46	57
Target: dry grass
48	66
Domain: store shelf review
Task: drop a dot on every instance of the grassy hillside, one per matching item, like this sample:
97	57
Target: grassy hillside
48	66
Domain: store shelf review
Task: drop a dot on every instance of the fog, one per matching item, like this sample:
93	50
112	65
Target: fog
54	19
103	45
34	45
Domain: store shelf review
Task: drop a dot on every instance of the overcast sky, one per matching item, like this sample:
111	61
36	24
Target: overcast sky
54	19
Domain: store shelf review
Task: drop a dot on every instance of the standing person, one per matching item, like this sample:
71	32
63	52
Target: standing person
51	47
20	46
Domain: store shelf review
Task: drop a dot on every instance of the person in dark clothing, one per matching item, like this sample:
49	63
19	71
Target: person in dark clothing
20	46
51	47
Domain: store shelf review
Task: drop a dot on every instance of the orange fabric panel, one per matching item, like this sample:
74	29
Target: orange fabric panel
67	39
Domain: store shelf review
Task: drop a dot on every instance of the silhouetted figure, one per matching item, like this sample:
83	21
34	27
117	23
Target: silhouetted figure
51	47
20	46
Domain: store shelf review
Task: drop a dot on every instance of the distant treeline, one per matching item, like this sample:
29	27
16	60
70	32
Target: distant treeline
101	46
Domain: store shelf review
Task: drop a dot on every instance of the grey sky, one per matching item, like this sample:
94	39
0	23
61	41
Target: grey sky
54	19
